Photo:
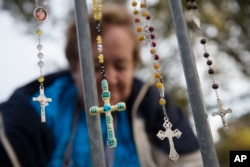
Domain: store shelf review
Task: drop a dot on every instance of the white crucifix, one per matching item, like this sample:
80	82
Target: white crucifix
44	101
107	109
168	133
222	113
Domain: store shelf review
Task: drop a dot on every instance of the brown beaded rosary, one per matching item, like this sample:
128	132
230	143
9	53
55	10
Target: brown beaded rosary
146	32
193	8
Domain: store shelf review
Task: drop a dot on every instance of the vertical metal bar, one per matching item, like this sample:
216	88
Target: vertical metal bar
89	83
193	84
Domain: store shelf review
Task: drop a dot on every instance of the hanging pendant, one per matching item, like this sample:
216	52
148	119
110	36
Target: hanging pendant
40	14
170	134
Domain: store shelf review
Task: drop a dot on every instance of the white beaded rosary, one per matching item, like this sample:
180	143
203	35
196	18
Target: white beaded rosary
40	14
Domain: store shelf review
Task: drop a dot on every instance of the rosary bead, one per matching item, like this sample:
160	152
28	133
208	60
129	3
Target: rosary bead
38	32
98	27
156	57
152	50
203	41
206	55
134	3
162	101
39	47
209	62
99	39
159	85
143	5
137	20
40	64
210	71
156	66
152	36
153	44
40	55
215	86
148	17
99	48
151	29
41	79
157	75
101	58
144	13
141	38
135	12
139	29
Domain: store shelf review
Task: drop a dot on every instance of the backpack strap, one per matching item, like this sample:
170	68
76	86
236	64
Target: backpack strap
142	143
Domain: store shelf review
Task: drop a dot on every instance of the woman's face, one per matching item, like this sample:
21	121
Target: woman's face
118	47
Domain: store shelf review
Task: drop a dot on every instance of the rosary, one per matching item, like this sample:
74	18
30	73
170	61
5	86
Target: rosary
192	7
146	31
107	108
40	14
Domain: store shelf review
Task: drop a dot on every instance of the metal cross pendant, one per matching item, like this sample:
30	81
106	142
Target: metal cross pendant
107	109
44	101
168	133
222	113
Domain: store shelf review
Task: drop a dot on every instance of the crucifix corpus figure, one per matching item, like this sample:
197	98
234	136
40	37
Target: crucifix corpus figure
168	133
222	113
44	101
107	109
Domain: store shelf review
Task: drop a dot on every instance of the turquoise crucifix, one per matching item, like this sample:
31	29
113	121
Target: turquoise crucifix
107	109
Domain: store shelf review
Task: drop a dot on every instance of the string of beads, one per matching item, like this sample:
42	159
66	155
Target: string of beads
40	14
106	95
97	10
146	32
193	8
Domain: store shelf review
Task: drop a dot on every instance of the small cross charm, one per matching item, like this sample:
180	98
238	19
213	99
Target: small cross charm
44	101
222	113
170	134
107	109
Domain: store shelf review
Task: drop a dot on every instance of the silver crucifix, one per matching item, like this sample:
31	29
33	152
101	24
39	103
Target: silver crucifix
222	113
44	101
168	133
